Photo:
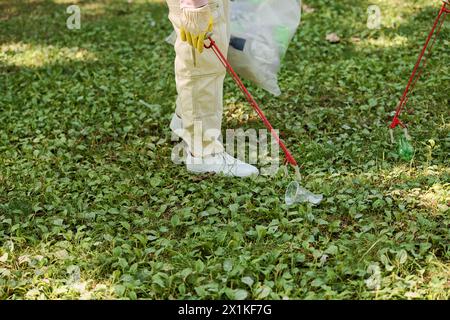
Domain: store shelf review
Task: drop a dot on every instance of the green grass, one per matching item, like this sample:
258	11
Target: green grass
92	207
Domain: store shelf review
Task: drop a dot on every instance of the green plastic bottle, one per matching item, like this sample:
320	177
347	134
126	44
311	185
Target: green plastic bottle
405	149
283	36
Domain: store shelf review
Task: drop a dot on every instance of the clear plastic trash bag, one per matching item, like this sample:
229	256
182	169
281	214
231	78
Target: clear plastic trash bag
261	31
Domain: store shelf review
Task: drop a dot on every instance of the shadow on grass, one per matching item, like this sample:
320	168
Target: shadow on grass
117	46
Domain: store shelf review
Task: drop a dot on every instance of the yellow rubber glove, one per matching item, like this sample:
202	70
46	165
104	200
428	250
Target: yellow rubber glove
195	24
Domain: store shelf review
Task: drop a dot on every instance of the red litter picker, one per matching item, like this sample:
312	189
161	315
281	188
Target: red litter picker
212	45
405	149
295	193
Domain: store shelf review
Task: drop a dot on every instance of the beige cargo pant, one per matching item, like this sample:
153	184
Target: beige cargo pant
199	81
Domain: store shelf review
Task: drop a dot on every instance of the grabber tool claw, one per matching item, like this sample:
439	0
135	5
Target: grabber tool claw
396	123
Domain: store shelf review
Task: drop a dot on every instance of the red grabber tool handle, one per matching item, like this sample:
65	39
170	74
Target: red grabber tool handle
445	9
213	46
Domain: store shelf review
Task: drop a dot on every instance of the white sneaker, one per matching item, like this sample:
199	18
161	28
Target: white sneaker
220	163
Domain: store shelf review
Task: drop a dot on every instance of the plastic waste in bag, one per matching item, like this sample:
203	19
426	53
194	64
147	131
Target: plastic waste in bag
261	31
297	194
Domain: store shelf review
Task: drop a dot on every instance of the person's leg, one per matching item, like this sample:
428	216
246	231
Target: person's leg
199	80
